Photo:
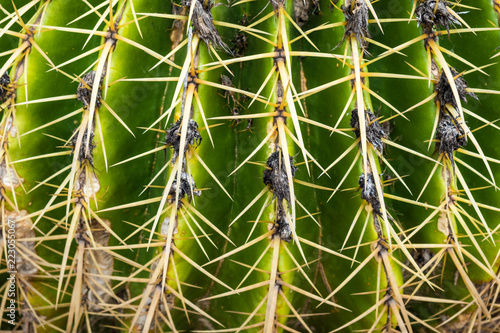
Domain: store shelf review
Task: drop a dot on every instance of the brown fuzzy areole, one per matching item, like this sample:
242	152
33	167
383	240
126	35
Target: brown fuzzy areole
240	44
173	137
203	23
276	177
301	11
429	16
282	227
369	192
374	132
4	83
82	154
186	189
450	134
84	91
280	108
356	15
445	93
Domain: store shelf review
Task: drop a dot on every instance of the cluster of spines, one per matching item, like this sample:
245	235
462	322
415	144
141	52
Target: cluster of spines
180	187
452	133
26	263
90	267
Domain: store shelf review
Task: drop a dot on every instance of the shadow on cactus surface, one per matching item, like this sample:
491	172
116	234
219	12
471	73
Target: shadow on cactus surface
249	166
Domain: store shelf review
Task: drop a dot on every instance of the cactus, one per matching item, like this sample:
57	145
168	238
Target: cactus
282	166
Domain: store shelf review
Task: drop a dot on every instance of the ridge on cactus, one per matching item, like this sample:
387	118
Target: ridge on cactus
249	166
